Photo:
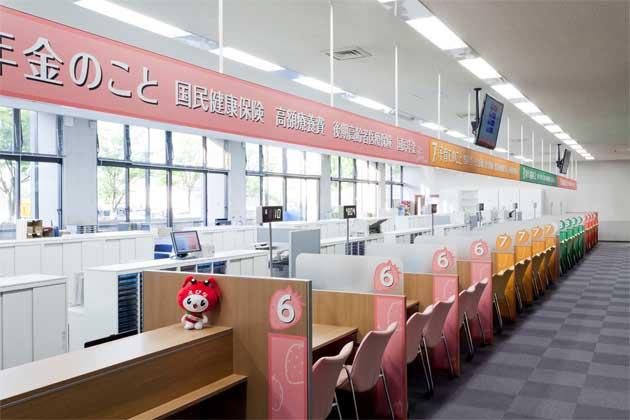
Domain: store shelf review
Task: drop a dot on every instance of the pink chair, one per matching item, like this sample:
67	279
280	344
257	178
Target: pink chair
433	333
367	369
469	309
325	374
415	326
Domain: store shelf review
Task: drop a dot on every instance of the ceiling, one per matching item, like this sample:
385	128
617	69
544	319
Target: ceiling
571	58
591	105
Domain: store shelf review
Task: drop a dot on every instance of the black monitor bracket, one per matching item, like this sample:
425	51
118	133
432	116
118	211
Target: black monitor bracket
475	123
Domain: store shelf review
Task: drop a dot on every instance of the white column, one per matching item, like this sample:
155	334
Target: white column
324	189
396	82
533	154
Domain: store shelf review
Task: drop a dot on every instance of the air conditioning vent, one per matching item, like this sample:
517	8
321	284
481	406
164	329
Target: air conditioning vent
348	53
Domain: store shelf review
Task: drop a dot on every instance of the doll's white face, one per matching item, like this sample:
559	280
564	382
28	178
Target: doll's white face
195	303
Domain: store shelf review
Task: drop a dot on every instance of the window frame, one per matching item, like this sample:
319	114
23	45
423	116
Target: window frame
169	167
355	180
16	155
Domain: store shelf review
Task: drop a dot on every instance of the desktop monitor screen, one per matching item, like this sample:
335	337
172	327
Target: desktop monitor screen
488	129
185	242
566	159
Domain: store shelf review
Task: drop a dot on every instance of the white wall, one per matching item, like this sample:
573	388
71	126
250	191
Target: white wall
604	187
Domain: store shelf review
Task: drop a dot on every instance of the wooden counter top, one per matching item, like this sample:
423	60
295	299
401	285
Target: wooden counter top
53	372
324	334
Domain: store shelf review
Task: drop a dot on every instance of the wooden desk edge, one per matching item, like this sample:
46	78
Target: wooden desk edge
346	331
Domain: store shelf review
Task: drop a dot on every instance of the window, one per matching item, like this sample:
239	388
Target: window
138	188
394	183
283	177
354	181
30	168
111	140
187	149
147	144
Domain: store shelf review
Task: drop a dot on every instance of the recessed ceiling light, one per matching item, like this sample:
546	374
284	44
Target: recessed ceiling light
369	103
455	134
438	33
569	142
247	59
563	136
508	91
553	128
432	126
527	107
316	84
542	119
131	17
480	68
500	150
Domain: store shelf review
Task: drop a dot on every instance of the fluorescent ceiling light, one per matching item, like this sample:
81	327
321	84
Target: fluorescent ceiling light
369	103
456	134
438	33
432	126
500	150
469	139
247	59
542	119
522	158
576	147
553	128
569	142
508	91
316	84
130	17
480	68
589	158
563	136
527	107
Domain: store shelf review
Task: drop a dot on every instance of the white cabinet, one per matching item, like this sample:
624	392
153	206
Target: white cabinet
17	328
127	250
144	248
52	259
111	252
33	320
247	267
28	259
92	253
7	261
49	321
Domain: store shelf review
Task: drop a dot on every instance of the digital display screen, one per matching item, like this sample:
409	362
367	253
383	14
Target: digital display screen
185	242
488	130
566	159
349	212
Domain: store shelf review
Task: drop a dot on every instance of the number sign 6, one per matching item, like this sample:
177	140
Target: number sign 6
478	249
442	260
285	309
386	276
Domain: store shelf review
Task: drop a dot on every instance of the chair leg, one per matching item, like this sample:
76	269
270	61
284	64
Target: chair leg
426	355
519	300
424	369
354	397
448	355
497	308
483	335
336	404
389	401
471	347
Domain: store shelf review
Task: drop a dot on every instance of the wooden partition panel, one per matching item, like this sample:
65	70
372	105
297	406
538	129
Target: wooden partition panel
419	287
246	307
502	261
119	379
346	309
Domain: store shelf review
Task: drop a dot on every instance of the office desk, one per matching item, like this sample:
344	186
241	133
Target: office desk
328	340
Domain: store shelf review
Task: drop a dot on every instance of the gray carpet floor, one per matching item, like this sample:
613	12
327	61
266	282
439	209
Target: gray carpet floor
566	357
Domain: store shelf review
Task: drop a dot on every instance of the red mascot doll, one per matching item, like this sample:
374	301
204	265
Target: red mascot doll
196	298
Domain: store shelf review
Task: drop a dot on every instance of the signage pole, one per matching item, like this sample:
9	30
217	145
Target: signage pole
220	36
347	236
332	57
270	252
508	135
432	226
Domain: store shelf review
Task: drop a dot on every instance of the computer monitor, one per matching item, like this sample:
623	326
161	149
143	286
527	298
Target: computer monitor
488	129
185	242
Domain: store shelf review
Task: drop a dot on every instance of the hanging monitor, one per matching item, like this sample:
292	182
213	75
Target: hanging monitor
564	163
490	121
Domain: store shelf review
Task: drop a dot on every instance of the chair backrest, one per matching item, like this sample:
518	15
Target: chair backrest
325	374
500	281
466	296
367	361
433	330
473	305
415	325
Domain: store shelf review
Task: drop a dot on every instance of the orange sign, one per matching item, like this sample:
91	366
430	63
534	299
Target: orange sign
537	233
522	237
549	230
451	156
503	242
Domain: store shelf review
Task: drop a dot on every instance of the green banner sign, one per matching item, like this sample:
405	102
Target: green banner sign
536	176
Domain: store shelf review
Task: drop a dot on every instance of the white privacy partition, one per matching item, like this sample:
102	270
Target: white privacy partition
351	273
416	258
